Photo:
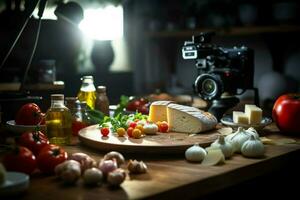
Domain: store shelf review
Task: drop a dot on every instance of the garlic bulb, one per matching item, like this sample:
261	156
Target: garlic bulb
239	137
69	171
92	176
253	148
115	155
225	146
195	153
116	177
107	166
150	128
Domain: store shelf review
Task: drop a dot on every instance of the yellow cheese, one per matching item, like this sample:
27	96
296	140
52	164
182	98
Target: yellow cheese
158	111
240	117
254	114
188	119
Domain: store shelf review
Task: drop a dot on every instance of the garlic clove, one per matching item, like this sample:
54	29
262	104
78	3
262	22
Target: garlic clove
226	147
213	157
136	167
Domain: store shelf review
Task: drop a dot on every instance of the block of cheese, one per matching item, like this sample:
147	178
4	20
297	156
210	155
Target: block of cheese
188	119
158	111
240	117
254	114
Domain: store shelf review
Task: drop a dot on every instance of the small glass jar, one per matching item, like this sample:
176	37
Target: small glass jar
80	118
58	121
102	102
87	91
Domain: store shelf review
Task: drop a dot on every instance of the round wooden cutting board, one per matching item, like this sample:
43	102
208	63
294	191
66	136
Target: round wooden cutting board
160	143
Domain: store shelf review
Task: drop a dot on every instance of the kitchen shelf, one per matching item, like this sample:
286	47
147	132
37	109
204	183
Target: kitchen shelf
234	31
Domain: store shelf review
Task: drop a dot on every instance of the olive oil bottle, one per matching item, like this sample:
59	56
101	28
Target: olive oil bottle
87	91
58	121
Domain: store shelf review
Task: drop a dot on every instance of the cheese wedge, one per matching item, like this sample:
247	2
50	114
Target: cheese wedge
253	113
158	111
240	117
188	119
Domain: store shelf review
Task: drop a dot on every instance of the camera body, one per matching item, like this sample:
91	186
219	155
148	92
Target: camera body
220	70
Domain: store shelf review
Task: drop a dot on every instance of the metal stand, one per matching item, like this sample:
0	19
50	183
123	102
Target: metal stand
220	106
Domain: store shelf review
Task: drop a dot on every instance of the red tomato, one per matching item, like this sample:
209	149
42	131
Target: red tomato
286	113
49	157
104	131
34	141
21	159
132	124
29	114
129	131
163	127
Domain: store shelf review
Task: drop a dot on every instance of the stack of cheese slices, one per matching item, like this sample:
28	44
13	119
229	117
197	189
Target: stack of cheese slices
181	118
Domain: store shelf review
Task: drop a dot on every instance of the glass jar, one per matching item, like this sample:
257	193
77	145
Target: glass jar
80	118
87	91
58	121
102	102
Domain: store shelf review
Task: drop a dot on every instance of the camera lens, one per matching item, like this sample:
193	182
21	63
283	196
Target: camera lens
208	86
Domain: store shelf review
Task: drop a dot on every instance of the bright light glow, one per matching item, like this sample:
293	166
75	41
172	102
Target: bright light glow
103	23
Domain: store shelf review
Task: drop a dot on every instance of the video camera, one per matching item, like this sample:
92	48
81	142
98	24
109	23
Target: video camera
222	72
219	69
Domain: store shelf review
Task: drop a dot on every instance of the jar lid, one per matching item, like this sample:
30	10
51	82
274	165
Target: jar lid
87	78
101	88
57	97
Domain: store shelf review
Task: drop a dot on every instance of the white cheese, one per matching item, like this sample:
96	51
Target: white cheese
158	111
240	117
188	119
253	113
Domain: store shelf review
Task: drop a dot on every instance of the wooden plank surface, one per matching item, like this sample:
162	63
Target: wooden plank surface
168	177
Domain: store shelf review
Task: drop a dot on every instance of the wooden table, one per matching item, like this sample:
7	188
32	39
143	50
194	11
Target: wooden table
172	177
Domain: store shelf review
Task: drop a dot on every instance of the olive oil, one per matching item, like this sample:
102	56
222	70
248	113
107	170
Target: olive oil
87	91
58	121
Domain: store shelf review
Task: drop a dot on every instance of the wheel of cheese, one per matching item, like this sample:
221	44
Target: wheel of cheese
188	119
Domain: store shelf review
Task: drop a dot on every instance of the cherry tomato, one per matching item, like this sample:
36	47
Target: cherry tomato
20	159
129	131
34	141
29	114
136	133
163	127
132	124
140	127
49	157
121	132
104	131
286	113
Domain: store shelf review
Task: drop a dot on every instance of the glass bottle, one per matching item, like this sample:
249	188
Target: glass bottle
80	118
87	91
70	103
102	102
58	121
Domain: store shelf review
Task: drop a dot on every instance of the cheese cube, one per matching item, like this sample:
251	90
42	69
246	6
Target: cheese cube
254	114
240	117
188	119
158	111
